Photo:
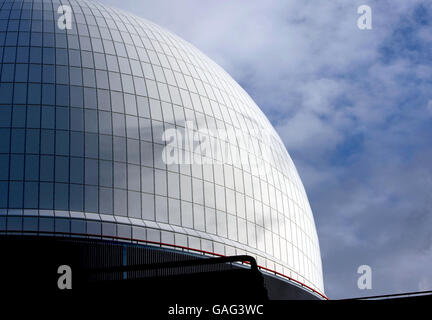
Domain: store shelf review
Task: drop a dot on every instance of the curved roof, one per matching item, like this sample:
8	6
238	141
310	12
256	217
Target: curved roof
139	135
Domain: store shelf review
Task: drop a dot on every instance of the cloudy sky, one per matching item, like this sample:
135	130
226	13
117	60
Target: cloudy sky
354	108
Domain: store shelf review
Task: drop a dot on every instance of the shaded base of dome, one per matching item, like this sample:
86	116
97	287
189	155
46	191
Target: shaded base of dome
31	265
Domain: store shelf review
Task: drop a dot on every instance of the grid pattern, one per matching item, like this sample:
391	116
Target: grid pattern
82	112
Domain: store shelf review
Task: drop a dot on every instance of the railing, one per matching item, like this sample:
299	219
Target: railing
395	296
175	264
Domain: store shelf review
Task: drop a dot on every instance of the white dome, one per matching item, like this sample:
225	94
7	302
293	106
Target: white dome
251	202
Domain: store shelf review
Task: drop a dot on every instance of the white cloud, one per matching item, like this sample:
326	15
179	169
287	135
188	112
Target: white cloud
318	95
305	131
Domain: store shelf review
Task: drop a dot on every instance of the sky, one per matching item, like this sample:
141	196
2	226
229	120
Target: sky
354	109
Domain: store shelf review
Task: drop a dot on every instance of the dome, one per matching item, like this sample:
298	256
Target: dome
118	128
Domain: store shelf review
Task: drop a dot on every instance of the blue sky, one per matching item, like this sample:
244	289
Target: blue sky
353	107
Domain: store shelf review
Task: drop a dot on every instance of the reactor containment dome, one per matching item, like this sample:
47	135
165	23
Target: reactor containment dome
116	128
